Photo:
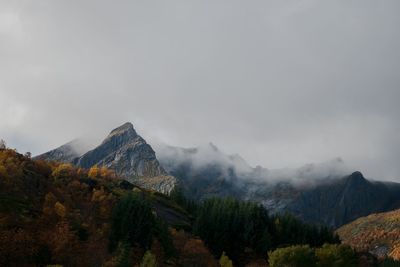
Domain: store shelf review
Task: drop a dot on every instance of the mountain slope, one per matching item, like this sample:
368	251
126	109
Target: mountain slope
344	200
65	153
316	193
123	151
378	233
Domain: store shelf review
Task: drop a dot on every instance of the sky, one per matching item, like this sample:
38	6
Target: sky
282	83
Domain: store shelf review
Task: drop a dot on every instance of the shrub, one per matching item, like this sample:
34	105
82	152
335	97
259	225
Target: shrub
224	261
330	255
149	260
294	256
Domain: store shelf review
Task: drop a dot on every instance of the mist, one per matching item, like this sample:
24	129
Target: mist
281	83
208	156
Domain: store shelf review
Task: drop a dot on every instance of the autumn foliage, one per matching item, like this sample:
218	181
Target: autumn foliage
56	214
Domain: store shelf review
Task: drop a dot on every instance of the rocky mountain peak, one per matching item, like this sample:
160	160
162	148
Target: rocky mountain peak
356	178
126	128
122	134
125	152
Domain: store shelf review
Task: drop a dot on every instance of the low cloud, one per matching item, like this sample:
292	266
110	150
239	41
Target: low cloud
209	156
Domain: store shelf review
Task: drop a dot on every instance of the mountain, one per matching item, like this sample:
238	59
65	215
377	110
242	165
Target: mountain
65	153
346	199
316	193
203	172
123	151
377	233
322	193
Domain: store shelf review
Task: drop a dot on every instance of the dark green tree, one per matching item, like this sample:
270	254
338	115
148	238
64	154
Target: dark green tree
132	222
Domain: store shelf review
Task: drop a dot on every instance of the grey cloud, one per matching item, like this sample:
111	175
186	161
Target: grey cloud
282	83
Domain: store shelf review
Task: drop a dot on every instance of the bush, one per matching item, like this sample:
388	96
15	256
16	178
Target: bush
294	256
335	256
62	174
224	261
149	260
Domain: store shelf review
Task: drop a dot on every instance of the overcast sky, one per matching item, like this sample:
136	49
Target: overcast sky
282	83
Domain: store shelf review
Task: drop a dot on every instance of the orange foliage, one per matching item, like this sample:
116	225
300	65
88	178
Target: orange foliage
94	172
375	230
60	209
55	214
192	250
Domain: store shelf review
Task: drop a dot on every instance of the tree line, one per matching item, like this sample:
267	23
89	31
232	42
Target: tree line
239	228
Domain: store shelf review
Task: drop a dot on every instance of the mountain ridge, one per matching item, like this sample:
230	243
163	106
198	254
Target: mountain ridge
322	193
318	193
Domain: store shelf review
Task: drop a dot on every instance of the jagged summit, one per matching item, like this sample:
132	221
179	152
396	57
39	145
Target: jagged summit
357	175
124	151
124	128
356	178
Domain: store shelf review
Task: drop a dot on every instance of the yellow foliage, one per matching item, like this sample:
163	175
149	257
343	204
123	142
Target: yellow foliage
94	172
98	195
224	261
50	198
81	172
63	171
103	172
3	171
60	209
48	205
149	260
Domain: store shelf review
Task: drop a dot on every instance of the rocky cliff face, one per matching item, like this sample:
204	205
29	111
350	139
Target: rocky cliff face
344	200
123	151
126	152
